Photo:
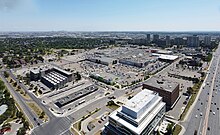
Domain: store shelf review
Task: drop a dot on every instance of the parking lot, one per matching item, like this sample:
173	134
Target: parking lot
184	84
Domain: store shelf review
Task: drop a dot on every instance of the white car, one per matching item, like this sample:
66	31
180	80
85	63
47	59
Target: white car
200	114
213	113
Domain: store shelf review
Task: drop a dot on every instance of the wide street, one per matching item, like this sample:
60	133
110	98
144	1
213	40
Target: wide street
27	111
46	110
204	118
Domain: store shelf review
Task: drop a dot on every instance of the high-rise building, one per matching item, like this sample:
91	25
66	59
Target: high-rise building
167	40
217	39
156	37
193	41
148	38
178	41
207	40
139	116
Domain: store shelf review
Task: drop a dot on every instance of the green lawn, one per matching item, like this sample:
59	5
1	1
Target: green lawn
177	129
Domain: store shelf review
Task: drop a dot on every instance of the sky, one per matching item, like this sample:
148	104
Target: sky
109	15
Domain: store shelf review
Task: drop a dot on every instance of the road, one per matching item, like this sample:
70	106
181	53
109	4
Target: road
19	99
59	126
55	126
35	99
202	119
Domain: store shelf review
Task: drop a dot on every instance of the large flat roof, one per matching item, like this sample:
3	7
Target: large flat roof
41	68
162	83
143	124
165	57
105	59
141	102
64	71
75	95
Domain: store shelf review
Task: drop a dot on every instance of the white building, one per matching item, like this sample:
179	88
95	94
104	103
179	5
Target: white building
139	116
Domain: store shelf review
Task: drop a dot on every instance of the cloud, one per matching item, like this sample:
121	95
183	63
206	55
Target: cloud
15	5
8	5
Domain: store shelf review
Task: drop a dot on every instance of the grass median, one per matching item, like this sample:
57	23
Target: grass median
38	111
18	88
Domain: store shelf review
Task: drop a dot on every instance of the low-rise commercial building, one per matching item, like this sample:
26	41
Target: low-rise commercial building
102	60
167	89
139	116
139	60
75	96
165	58
52	77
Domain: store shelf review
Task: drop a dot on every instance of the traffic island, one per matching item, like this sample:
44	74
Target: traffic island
78	125
112	105
177	129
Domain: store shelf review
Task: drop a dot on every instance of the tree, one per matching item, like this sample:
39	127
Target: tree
19	114
28	75
26	125
35	88
42	114
21	131
31	85
6	74
110	103
169	129
15	84
78	76
195	132
11	80
189	90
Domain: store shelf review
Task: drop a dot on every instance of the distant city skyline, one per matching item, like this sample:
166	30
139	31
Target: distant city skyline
112	15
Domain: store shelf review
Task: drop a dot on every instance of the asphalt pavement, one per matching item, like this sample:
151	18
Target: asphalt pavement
31	116
204	117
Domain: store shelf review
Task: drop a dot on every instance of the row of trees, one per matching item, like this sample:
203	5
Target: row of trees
12	112
7	100
193	79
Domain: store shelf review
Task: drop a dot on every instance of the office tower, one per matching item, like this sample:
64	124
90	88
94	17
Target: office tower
193	41
148	38
167	40
156	37
207	40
